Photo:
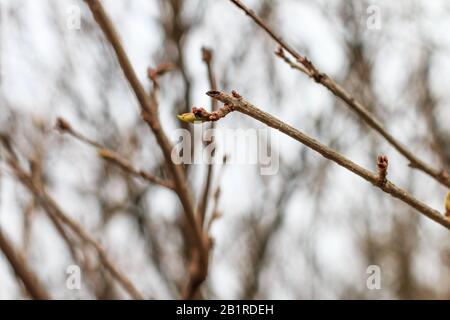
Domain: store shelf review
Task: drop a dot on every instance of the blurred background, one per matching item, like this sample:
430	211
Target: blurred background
308	232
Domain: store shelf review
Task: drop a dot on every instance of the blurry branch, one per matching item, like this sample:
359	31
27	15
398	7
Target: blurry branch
37	177
280	53
148	104
216	214
126	166
447	205
21	269
160	70
237	103
264	234
427	104
176	31
27	220
207	56
75	247
64	127
55	212
309	69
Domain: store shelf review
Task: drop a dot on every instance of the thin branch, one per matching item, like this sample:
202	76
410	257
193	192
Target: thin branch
37	176
236	102
207	55
363	113
447	205
149	114
21	269
52	208
126	166
216	214
280	53
64	127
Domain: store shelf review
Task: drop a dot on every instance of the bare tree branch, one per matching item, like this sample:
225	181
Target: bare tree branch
361	110
64	127
207	55
237	103
52	208
21	269
148	105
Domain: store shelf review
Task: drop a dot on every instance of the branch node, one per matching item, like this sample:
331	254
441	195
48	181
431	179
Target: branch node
161	69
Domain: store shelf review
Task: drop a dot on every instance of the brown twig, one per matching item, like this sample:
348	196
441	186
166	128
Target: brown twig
64	127
126	166
247	108
207	56
52	208
362	111
447	205
216	214
37	176
148	111
21	269
160	70
280	53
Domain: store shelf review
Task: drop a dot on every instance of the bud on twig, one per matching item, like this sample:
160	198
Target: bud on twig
382	165
201	115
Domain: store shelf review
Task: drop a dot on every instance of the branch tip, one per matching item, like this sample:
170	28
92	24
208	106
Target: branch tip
207	54
62	125
213	93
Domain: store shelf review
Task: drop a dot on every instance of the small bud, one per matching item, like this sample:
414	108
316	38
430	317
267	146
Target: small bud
187	117
279	52
200	113
105	154
62	125
206	54
382	165
235	94
447	205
